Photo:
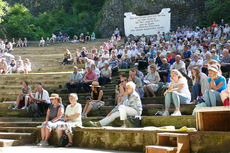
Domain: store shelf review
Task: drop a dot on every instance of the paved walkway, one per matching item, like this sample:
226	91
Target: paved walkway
50	149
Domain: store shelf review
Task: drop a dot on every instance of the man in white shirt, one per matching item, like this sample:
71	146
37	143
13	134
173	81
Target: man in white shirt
133	51
195	63
42	99
179	64
101	63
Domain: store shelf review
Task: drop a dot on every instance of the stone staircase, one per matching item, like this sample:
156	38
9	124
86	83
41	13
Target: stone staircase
16	128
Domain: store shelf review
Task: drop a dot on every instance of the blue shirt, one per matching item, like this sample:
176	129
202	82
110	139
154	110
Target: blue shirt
152	53
219	80
187	54
172	60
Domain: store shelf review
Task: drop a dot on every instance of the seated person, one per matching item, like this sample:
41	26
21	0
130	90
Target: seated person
95	69
83	55
225	62
94	53
87	36
24	96
20	66
89	77
206	63
42	99
77	57
25	42
224	95
113	64
178	93
130	106
179	65
82	38
75	81
12	67
200	83
214	56
42	42
138	82
195	63
20	43
105	76
121	89
27	66
186	56
93	36
72	119
53	38
54	116
3	66
217	83
124	62
67	58
96	100
151	81
164	70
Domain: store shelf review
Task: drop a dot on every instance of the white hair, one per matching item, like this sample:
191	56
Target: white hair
74	95
132	85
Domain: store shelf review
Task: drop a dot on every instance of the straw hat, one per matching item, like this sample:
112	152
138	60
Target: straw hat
213	68
95	84
54	96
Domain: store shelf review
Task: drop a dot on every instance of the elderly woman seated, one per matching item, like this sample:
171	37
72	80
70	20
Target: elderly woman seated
72	119
54	115
130	106
151	81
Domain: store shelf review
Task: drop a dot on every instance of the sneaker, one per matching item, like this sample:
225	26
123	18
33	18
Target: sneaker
176	113
166	113
40	143
15	108
94	124
45	143
84	116
123	126
24	107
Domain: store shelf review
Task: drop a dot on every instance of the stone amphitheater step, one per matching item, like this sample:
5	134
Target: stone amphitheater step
148	110
24	138
9	142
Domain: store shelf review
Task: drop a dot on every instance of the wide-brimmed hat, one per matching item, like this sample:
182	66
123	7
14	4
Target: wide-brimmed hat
213	68
54	96
95	84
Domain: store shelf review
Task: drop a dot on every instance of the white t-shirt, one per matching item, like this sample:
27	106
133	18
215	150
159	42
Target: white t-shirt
72	111
184	91
178	66
43	96
106	56
199	62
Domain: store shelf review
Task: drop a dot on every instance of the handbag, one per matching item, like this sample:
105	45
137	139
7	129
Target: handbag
63	141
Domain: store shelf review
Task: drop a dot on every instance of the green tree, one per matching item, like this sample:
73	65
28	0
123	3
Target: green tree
216	10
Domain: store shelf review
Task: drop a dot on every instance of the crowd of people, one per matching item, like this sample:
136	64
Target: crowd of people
186	57
8	63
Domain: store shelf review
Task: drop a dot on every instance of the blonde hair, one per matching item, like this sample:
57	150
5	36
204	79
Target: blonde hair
175	71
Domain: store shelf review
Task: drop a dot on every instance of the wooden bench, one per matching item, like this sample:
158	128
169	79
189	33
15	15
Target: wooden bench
213	118
170	143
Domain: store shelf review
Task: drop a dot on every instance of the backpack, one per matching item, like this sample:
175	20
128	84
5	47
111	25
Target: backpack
33	110
63	141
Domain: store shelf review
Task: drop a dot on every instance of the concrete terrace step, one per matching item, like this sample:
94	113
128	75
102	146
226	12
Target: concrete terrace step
20	124
9	142
19	129
15	135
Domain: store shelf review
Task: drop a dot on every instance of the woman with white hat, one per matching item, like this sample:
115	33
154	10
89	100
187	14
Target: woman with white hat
96	100
55	113
217	83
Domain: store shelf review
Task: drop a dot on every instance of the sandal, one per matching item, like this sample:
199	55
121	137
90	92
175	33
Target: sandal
69	144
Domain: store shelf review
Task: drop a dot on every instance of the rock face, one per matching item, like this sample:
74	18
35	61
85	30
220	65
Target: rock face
183	12
37	6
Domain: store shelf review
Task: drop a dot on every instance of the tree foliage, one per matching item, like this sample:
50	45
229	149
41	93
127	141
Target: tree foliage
215	11
74	17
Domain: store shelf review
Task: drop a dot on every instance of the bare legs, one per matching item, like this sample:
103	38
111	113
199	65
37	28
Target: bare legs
149	91
87	108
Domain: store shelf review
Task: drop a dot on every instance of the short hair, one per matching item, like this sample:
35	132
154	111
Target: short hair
74	95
